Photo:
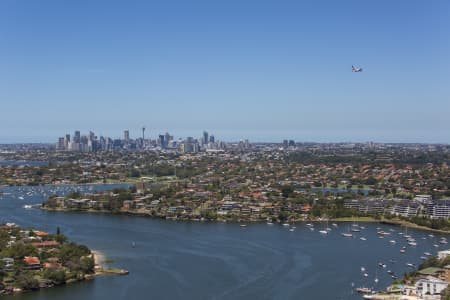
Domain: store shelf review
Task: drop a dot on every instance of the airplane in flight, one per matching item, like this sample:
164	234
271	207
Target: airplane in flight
356	69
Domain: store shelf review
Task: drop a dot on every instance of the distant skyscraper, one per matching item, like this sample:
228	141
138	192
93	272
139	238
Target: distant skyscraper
91	136
126	135
205	137
77	137
66	141
161	141
61	144
212	139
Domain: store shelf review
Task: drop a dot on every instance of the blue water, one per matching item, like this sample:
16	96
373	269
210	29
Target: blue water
182	260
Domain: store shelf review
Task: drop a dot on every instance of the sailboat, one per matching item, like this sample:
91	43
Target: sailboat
347	234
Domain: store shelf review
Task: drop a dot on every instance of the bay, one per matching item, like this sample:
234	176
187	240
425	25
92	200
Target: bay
196	260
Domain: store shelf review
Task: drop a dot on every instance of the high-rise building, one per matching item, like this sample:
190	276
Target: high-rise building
205	138
77	137
161	141
61	145
212	139
66	141
126	135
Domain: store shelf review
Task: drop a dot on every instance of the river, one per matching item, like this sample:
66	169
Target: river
192	260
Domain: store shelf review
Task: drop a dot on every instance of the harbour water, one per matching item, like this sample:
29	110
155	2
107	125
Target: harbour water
182	260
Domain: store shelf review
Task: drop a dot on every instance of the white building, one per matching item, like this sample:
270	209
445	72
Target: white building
430	286
443	254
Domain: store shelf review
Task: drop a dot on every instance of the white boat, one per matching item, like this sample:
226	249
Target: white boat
392	241
269	223
334	224
363	269
291	229
402	250
411	265
28	206
427	253
309	225
364	290
286	224
363	238
323	231
347	234
243	225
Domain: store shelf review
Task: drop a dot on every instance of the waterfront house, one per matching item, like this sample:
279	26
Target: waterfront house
8	264
430	286
32	262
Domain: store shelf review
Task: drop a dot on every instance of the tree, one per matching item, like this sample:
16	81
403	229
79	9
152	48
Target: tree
56	276
26	281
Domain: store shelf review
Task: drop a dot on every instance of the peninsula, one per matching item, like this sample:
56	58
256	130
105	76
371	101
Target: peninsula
32	259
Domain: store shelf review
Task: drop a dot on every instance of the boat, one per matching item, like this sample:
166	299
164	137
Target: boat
383	233
323	231
402	250
28	206
243	225
363	290
334	225
366	275
392	241
347	234
291	229
423	258
427	253
410	265
363	238
286	224
269	223
363	269
309	225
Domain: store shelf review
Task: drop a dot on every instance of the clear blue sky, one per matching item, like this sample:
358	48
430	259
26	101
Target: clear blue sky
263	70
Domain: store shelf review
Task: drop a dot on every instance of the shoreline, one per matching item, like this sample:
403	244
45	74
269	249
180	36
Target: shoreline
393	222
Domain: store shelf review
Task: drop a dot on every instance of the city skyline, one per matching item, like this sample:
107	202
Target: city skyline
262	71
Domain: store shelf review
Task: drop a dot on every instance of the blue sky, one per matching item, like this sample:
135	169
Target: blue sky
263	70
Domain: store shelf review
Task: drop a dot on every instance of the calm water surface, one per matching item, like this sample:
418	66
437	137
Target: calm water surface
181	260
